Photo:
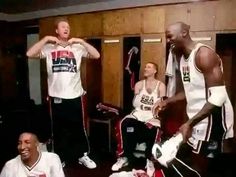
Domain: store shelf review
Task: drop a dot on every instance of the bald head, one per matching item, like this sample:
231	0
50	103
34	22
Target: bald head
182	26
177	35
179	27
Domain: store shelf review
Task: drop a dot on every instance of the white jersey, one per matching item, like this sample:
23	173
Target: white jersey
47	165
63	68
197	95
143	103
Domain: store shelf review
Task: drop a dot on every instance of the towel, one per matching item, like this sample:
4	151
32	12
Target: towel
171	74
130	53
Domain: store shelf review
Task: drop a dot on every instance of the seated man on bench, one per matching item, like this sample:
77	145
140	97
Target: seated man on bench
140	125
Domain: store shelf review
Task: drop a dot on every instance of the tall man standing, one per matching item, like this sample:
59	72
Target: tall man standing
208	108
63	57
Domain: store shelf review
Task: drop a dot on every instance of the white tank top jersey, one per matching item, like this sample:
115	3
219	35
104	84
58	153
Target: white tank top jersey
144	102
48	165
197	95
63	68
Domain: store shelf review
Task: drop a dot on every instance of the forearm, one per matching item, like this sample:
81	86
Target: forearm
202	114
162	91
178	97
93	53
34	51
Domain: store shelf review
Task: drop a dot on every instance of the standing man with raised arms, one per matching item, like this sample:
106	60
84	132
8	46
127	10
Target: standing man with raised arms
63	57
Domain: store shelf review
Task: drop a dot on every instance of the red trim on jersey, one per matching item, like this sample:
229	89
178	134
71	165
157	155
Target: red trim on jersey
32	167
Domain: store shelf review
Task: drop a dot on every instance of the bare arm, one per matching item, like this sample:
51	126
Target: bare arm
93	53
138	86
163	104
209	63
162	90
180	96
35	50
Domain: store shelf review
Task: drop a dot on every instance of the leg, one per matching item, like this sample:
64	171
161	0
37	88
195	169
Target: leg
70	137
184	164
57	122
78	136
153	134
130	129
75	140
200	163
126	142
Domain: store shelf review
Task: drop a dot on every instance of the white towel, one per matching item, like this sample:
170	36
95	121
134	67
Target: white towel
122	174
171	74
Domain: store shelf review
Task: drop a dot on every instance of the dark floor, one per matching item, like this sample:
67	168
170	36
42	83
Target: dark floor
103	169
105	160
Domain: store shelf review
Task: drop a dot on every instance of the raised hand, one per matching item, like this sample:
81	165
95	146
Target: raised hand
75	40
159	107
52	39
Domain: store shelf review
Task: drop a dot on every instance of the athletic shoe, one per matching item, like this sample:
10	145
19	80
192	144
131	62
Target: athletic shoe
121	162
150	168
166	152
87	162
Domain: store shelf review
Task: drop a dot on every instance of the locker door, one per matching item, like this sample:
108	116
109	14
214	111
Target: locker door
112	80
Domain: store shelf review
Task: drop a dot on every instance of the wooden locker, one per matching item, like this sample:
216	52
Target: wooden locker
153	20
153	50
86	25
119	22
201	16
112	71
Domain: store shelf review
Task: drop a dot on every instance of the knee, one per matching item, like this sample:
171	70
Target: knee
127	122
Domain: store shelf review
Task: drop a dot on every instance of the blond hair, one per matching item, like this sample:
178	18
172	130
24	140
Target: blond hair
60	19
155	66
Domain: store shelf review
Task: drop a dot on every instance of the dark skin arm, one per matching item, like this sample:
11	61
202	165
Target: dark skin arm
209	63
179	96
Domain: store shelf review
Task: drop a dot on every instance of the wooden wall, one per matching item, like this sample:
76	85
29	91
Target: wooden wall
13	64
111	71
206	19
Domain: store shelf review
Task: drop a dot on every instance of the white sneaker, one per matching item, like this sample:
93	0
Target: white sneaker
150	168
121	162
86	161
166	152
